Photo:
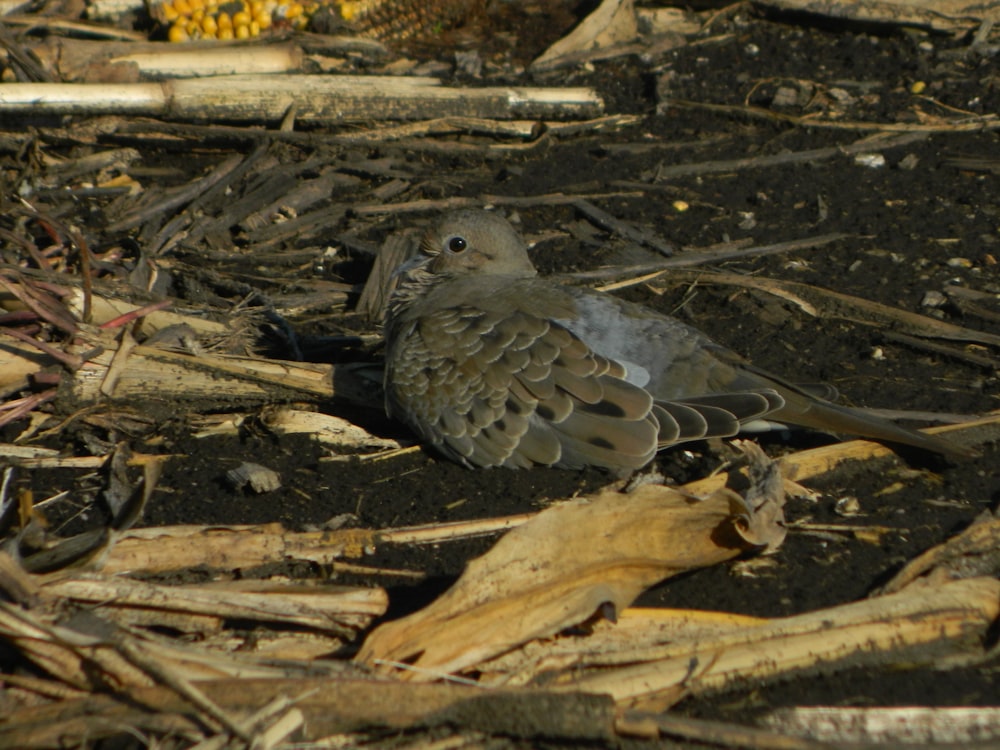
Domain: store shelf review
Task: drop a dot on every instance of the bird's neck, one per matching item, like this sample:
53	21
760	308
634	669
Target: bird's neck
412	285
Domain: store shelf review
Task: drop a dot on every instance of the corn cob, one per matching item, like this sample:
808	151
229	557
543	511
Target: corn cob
402	19
243	19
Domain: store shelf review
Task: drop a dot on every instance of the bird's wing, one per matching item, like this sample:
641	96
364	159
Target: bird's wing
514	388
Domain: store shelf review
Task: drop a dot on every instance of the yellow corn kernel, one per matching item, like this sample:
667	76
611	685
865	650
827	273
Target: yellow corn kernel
193	29
209	26
225	33
183	7
169	12
225	21
241	18
293	11
254	28
197	15
177	33
348	10
264	22
256	8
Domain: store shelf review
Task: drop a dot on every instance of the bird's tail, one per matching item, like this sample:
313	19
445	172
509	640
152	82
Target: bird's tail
801	409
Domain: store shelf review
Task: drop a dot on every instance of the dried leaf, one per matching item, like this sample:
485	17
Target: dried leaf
561	567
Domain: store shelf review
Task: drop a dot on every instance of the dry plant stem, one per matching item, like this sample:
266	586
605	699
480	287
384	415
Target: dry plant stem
16	584
819	302
24	62
76	60
135	314
71	656
951	16
965	299
972	124
714	733
159	374
942	727
427	129
964	355
448	204
714	254
95	716
119	362
607	221
210	713
56	24
304	606
442	532
526	129
178	547
70	361
178	197
975	550
796	157
11	411
898	628
39	300
330	706
40	686
318	99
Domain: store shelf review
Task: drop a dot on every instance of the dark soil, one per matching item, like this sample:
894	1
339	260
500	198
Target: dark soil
921	223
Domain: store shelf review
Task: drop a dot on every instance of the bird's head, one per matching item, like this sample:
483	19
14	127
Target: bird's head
475	242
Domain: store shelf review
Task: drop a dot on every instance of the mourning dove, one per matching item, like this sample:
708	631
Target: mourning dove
494	366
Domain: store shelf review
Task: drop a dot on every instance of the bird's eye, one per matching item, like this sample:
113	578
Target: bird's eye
457	244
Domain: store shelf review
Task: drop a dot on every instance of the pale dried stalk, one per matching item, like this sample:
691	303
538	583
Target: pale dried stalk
950	16
892	727
231	547
315	99
908	627
154	373
825	303
321	608
975	551
67	654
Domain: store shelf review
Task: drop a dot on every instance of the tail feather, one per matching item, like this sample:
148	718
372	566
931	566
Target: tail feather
824	416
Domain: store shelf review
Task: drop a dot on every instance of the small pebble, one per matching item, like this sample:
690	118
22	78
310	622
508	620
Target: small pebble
785	96
848	506
933	299
872	161
259	478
